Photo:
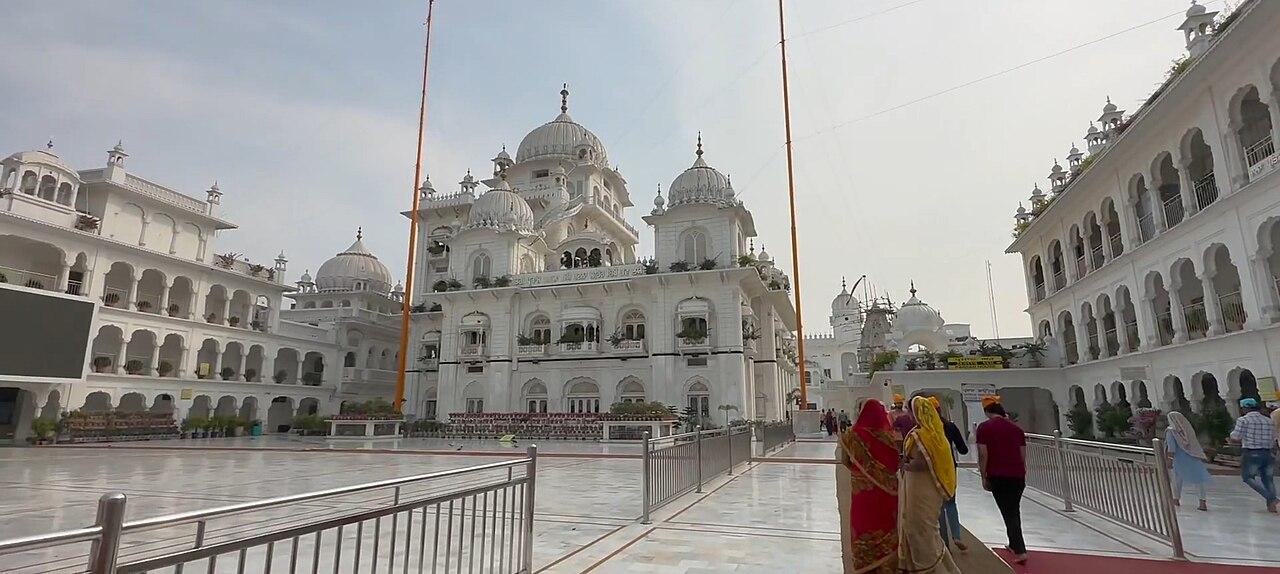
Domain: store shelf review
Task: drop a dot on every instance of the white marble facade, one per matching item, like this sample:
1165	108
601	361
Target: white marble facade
533	297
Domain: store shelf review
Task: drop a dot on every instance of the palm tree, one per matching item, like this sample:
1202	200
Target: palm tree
726	409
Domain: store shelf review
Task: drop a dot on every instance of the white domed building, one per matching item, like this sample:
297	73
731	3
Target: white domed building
534	299
917	327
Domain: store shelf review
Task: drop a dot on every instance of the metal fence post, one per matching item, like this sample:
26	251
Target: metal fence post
1166	497
531	488
1062	469
645	479
728	432
697	440
105	550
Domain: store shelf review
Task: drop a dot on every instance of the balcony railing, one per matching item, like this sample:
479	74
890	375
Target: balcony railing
1197	320
1099	258
537	350
1164	328
75	287
1117	246
1113	342
690	343
1146	228
1039	291
1094	350
630	346
432	364
1059	281
1259	152
1131	329
1233	314
25	278
471	350
1173	211
1082	269
115	297
1206	191
580	347
148	303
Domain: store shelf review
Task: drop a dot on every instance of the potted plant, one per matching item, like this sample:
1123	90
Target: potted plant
143	305
679	266
226	260
211	318
45	431
233	321
693	334
481	282
164	368
502	281
227	373
707	264
102	364
650	265
279	376
133	367
436	248
255	269
617	338
746	260
86	222
523	339
250	374
110	299
727	409
173	309
255	325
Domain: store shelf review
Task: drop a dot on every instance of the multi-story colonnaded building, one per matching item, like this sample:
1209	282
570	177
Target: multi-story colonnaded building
178	327
1153	261
533	298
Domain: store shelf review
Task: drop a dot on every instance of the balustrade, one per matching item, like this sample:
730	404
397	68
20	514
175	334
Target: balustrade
1146	228
1081	268
1099	258
32	279
1233	315
1059	281
1173	211
1206	191
1117	246
471	350
1113	342
1039	291
1197	320
1164	328
1131	331
1259	152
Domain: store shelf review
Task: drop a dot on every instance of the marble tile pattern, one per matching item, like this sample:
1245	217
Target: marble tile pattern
771	516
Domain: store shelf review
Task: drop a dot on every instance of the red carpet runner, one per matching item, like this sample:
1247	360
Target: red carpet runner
1062	563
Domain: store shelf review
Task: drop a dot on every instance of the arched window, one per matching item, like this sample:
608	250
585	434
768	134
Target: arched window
535	397
583	396
633	325
526	264
540	329
481	266
594	259
699	401
64	194
694	247
47	186
29	183
580	257
566	260
349	360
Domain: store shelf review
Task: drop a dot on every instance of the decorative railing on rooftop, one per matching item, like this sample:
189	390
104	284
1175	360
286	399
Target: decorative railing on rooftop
1261	157
578	275
1206	190
162	193
450	199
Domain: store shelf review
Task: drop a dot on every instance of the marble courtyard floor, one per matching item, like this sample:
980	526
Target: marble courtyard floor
775	515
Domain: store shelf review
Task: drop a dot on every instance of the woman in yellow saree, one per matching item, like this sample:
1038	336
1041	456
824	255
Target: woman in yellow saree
928	480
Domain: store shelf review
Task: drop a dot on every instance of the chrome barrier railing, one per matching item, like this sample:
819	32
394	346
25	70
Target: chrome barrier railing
481	516
776	435
1127	484
677	464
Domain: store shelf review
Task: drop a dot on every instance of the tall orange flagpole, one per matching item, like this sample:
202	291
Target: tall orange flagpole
791	192
413	224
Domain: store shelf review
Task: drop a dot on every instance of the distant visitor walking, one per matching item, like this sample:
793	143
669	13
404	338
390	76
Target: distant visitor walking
1002	450
1255	435
1188	458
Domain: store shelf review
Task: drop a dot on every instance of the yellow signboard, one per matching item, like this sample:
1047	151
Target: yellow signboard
186	394
963	363
1267	389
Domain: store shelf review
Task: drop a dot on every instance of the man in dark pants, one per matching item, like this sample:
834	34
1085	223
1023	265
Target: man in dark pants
1001	459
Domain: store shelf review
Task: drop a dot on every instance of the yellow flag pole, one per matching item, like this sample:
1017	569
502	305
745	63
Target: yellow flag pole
791	192
413	224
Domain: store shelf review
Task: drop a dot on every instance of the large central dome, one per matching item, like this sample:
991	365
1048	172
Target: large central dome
353	270
562	138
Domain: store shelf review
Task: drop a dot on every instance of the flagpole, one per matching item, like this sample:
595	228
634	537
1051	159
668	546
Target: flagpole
407	306
791	193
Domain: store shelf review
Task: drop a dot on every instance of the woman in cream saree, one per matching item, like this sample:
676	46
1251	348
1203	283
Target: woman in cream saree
928	480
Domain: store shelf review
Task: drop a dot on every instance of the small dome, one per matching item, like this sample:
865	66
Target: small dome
399	288
658	202
1093	129
306	277
1036	192
44	157
1195	9
356	264
1074	150
764	255
1109	107
700	183
915	315
426	188
501	209
844	301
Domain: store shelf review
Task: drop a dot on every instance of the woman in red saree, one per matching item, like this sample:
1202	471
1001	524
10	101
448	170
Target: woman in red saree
871	456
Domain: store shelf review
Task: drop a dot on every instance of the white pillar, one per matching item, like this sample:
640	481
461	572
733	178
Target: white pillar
1186	188
120	357
131	301
226	309
244	358
298	378
216	368
1177	314
164	297
1212	307
1082	340
1268	298
1122	330
63	275
153	368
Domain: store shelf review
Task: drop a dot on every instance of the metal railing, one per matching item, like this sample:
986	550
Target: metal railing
26	278
1173	211
481	515
1131	329
1099	258
1164	328
677	464
1059	281
1112	339
1127	484
1040	291
1146	228
1206	190
1117	245
116	297
776	435
1082	268
1260	151
1233	315
1197	320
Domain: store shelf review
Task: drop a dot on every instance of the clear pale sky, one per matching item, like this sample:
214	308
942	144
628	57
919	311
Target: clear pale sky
305	112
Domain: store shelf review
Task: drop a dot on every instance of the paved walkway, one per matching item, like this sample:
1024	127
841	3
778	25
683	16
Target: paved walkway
774	516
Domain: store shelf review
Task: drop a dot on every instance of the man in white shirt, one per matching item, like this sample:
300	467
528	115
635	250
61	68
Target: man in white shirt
1256	434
